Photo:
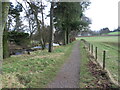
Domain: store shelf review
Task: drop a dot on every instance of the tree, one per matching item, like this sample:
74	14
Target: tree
19	26
104	31
35	10
29	16
51	28
116	30
46	35
15	13
4	7
19	38
67	14
5	43
43	26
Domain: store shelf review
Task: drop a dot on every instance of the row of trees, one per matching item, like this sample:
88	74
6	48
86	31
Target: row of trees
65	17
68	20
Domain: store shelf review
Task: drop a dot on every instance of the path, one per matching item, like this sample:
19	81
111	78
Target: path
68	76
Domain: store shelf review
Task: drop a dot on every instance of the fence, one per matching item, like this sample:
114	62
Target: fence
94	52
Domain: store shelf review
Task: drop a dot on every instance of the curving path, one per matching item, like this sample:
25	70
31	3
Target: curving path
68	76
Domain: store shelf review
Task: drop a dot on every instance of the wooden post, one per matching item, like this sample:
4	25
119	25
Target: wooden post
92	49
89	46
104	53
96	53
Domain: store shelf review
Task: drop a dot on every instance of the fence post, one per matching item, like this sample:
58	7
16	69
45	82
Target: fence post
96	53
104	53
91	48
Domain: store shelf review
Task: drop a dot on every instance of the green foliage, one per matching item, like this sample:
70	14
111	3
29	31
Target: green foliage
15	11
18	37
75	25
67	13
68	18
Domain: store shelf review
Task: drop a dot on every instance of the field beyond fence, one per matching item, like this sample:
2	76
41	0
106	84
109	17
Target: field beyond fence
105	50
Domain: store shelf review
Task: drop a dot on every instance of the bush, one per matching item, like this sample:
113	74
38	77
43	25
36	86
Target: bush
20	38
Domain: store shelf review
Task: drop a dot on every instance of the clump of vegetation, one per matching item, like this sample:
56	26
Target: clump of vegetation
20	38
35	70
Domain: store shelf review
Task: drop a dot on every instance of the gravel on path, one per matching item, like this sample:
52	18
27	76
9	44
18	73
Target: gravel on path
69	74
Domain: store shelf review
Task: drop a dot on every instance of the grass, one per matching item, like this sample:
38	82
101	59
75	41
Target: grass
86	77
35	70
110	45
113	33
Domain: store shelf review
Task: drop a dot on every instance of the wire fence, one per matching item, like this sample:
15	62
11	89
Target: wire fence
101	56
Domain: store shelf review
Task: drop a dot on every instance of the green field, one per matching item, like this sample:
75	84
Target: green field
113	33
110	45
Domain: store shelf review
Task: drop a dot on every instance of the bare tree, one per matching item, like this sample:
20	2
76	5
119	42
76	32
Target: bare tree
32	26
35	10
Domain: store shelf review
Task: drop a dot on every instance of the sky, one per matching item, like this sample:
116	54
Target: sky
103	13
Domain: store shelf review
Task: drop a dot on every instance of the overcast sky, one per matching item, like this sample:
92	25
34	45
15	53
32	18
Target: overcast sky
103	13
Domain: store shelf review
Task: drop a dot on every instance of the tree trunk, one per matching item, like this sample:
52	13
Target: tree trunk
51	28
64	37
5	43
67	36
4	7
42	32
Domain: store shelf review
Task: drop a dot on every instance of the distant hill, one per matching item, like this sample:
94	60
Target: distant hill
114	33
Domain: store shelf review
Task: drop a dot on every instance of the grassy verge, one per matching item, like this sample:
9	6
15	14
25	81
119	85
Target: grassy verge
110	45
35	70
91	74
86	78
